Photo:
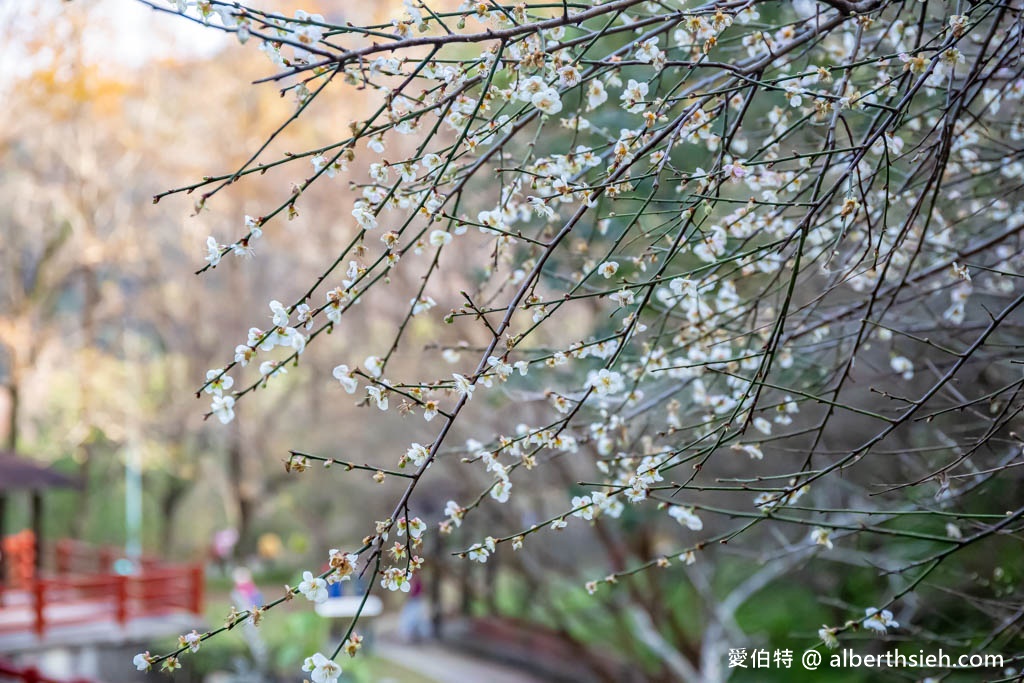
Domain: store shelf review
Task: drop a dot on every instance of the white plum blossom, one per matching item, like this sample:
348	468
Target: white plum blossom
431	161
623	297
633	96
500	367
284	336
569	76
440	238
828	636
343	565
547	101
374	366
271	368
608	268
329	168
903	366
379	395
879	620
224	408
280	314
454	512
748	14
463	386
492	221
686	517
596	94
304	315
396	580
346	377
213	251
762	425
422	304
217	381
751	449
417	454
366	218
648	51
540	207
244	354
321	669
415	526
606	382
821	536
794	95
501	490
313	587
583	507
143	661
191	640
478	553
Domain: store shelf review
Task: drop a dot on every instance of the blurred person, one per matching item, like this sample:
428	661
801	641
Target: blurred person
246	594
222	547
414	620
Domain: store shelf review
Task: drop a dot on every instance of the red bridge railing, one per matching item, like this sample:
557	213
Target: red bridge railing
31	675
85	590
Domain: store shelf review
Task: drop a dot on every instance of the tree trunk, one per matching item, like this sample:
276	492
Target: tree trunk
13	394
91	301
244	500
13	387
169	501
81	516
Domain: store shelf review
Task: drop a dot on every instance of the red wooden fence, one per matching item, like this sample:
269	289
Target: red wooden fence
31	674
78	557
85	590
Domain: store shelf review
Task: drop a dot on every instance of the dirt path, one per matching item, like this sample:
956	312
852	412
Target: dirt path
444	665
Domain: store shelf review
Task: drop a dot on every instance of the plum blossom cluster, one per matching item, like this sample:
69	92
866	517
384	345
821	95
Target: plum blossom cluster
678	245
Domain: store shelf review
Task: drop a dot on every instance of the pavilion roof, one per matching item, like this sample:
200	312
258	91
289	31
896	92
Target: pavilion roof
21	474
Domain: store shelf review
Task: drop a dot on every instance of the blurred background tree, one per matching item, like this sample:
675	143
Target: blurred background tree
854	328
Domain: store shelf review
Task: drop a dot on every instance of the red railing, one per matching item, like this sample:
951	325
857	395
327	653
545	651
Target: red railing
31	675
85	590
78	557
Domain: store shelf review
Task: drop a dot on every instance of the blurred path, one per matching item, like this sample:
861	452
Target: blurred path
445	665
